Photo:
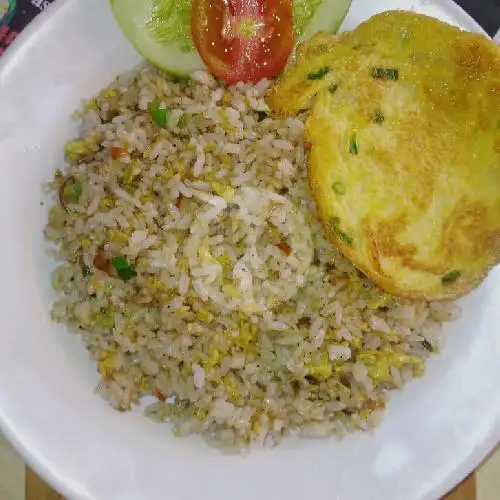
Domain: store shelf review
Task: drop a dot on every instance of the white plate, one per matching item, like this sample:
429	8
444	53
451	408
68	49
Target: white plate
434	433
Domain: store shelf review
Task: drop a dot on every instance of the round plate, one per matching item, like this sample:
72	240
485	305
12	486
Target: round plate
435	432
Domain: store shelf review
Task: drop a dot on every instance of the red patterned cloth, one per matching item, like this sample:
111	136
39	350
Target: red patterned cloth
15	15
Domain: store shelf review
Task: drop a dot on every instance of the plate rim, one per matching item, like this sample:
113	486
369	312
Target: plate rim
66	485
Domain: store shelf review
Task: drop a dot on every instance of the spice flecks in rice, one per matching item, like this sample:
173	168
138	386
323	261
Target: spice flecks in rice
197	271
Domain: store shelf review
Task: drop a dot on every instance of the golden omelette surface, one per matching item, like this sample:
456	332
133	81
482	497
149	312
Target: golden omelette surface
405	149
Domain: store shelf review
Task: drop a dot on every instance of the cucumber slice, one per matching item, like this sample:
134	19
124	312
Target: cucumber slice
160	30
312	16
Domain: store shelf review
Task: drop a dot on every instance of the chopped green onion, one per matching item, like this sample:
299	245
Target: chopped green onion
319	74
261	115
159	115
333	88
405	33
72	192
124	270
86	271
339	188
108	321
450	277
334	224
353	145
345	237
385	73
427	346
378	117
182	121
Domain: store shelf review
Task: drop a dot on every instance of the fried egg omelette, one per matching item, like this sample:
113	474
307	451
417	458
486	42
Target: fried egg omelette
404	163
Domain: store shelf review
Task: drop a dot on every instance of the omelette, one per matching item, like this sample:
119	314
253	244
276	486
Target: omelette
404	166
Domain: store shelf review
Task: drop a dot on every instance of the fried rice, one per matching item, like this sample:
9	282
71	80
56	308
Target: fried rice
195	269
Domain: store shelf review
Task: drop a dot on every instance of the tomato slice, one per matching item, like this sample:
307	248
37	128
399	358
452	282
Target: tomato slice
243	40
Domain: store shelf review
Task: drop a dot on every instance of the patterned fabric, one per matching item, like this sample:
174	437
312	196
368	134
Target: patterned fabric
15	15
485	12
